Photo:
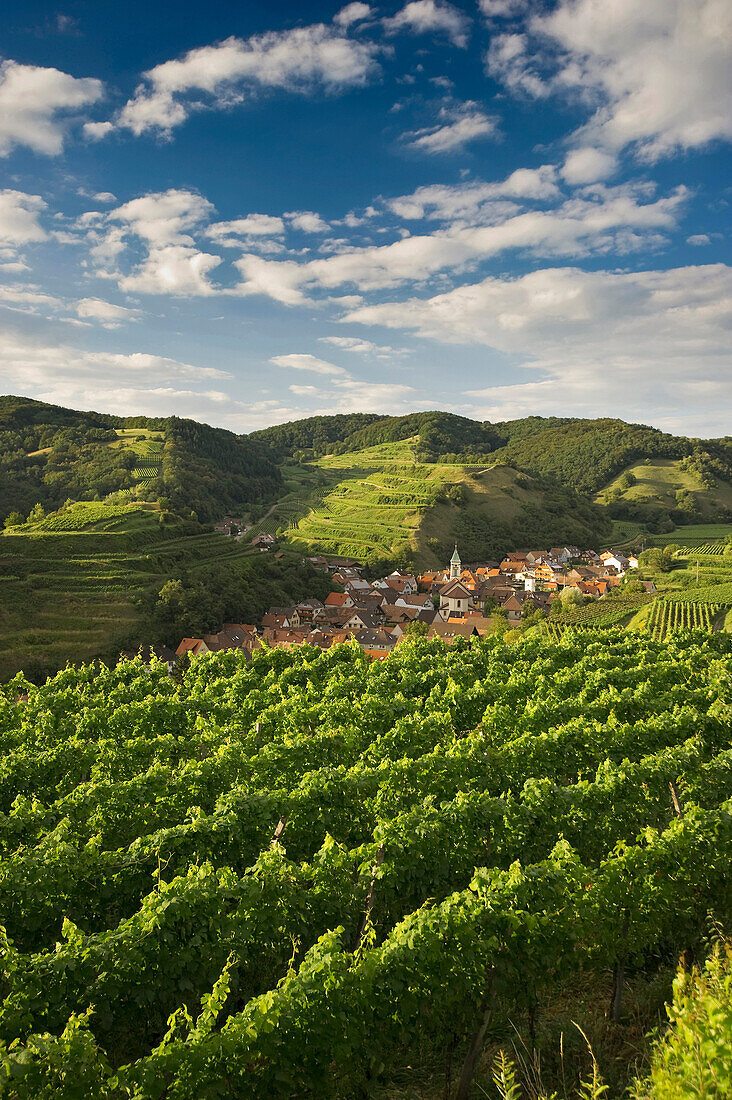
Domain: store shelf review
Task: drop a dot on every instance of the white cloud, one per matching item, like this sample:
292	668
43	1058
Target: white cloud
609	219
307	221
104	196
297	60
462	124
431	16
163	217
106	313
444	202
634	343
173	263
360	346
32	99
233	233
303	361
95	131
588	165
352	13
498	9
698	239
19	219
173	269
657	69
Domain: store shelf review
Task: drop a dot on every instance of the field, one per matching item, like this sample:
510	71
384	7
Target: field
313	875
658	480
70	582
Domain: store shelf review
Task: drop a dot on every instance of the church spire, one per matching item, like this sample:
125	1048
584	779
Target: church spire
455	564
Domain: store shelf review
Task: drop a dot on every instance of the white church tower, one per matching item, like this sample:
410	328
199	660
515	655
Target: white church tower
455	565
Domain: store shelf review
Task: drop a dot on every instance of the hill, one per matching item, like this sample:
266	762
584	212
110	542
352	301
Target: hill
591	457
49	455
377	504
86	582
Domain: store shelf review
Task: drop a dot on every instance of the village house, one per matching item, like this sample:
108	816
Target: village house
264	541
339	599
454	598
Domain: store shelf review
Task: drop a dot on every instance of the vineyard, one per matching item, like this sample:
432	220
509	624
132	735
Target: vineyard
669	615
304	875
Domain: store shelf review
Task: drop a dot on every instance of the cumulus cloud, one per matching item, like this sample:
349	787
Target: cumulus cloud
162	222
458	125
105	313
352	13
298	61
607	219
445	202
307	221
588	165
634	342
52	369
431	17
360	346
19	219
35	103
656	70
255	228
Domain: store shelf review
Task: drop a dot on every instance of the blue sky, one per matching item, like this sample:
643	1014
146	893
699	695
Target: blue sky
248	213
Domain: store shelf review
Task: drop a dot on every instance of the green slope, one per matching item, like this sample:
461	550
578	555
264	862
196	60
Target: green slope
380	503
49	454
84	583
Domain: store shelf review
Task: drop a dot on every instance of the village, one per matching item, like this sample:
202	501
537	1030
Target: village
459	601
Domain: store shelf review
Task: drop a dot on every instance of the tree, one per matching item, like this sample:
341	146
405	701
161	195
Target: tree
416	629
37	513
14	519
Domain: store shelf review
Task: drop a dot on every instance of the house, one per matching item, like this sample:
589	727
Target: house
615	560
194	647
309	610
263	541
403	582
455	598
375	643
361	620
449	631
276	622
290	613
338	599
357	587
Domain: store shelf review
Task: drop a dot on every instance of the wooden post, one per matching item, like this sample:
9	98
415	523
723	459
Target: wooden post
476	1043
675	798
370	896
279	830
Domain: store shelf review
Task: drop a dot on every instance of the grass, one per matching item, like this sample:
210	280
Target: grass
70	582
658	480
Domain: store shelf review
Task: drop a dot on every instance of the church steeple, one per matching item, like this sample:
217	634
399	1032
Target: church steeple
455	565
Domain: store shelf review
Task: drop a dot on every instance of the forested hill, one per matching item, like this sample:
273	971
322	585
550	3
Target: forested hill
582	454
49	454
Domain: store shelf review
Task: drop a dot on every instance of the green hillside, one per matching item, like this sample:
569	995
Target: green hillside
378	503
49	455
585	456
85	582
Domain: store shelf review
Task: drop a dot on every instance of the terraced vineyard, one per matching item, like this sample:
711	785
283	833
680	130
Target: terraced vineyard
81	570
